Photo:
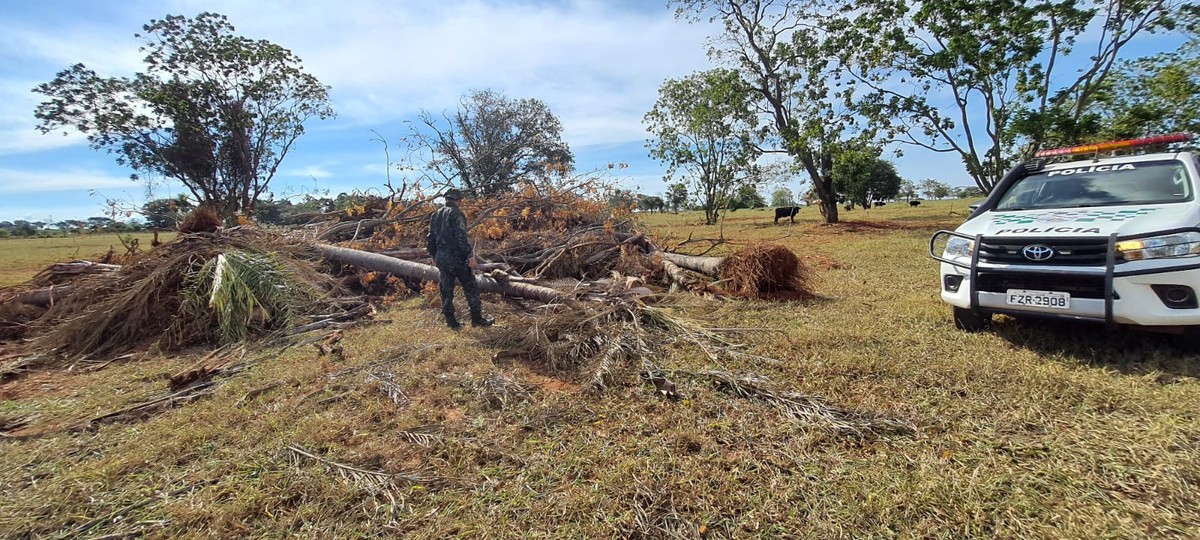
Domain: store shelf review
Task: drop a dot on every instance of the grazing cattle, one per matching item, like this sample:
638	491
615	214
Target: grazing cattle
879	203
787	212
914	203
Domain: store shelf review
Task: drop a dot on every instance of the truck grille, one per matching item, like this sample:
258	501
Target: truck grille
1078	286
1067	251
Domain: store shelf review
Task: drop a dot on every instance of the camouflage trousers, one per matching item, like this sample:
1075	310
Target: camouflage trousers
448	275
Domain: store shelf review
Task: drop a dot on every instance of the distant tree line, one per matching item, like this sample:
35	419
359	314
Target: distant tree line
44	229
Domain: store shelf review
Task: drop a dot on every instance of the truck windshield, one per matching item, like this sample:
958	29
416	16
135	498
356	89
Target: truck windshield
1114	184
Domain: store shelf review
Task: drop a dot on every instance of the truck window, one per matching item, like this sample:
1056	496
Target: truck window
1088	185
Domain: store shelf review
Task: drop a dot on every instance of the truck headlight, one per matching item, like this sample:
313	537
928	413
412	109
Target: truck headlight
1183	244
958	247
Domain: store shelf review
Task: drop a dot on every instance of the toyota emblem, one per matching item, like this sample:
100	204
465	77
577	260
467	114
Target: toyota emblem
1038	252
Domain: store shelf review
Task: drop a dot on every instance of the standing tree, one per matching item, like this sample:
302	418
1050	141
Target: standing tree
934	189
862	177
622	199
782	197
493	143
747	196
908	188
987	79
677	196
781	49
216	111
967	192
165	213
703	127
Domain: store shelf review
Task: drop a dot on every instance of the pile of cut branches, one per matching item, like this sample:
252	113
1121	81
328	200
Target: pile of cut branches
601	344
570	241
215	286
203	288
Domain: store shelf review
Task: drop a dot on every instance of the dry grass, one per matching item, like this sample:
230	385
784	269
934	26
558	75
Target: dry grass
1031	431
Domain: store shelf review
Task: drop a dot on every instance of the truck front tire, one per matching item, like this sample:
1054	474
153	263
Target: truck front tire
965	319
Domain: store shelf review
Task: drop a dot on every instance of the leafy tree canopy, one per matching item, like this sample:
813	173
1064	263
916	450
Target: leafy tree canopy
1002	63
1146	96
703	130
782	197
862	177
214	110
677	196
747	196
166	213
493	143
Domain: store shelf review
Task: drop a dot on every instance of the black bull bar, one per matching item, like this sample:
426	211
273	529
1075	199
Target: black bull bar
1110	271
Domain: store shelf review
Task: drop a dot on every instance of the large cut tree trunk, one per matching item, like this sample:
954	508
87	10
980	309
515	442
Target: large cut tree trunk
409	269
44	297
705	265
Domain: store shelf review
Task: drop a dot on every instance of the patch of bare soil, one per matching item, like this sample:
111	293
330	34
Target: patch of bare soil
873	226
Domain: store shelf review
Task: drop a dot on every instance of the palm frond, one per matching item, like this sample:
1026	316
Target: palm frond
810	409
241	291
386	381
498	392
422	435
377	483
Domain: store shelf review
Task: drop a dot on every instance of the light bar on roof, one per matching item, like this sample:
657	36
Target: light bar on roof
1115	145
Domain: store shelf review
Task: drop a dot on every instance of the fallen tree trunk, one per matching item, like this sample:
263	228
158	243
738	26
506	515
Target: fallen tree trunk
679	278
44	297
705	265
82	267
409	269
407	253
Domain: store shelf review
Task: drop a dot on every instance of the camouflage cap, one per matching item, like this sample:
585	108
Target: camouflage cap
453	194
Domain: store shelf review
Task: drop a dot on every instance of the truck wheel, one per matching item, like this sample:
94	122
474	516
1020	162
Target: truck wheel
965	319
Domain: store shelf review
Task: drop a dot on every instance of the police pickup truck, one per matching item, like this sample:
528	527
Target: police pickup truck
1113	240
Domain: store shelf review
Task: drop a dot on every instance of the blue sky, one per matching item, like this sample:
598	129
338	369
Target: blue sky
596	64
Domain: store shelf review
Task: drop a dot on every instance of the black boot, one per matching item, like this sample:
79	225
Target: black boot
477	319
452	321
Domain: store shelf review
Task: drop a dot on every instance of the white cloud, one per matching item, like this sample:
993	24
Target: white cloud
594	64
17	131
13	181
311	171
597	65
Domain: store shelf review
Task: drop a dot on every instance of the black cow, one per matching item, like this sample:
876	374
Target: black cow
914	203
787	212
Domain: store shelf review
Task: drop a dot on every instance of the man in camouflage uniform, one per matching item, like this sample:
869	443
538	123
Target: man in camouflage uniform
451	250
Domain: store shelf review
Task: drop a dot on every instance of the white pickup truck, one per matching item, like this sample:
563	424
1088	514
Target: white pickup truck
1114	240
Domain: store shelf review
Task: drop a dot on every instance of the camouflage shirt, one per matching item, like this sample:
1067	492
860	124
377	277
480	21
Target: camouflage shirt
447	240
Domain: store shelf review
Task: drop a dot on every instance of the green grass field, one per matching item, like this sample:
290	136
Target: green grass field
1027	431
21	258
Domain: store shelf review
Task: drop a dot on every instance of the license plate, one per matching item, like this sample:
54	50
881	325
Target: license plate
1043	299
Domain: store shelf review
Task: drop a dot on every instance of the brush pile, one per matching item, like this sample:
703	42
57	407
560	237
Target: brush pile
766	272
215	286
574	242
202	289
603	344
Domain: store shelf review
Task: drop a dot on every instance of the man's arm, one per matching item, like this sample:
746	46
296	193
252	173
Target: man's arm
431	244
461	242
